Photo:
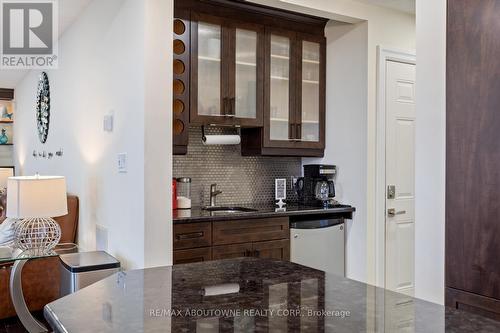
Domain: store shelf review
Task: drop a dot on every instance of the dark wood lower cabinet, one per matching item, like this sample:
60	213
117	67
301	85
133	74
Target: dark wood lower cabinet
259	238
253	230
231	251
279	249
192	255
191	235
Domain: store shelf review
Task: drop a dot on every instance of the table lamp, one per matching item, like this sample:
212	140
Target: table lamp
34	201
5	173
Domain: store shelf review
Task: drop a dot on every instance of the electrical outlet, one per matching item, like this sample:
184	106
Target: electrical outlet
122	163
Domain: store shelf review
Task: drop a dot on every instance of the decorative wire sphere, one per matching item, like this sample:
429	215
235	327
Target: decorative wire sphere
37	233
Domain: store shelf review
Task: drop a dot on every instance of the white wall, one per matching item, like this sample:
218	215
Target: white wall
346	144
102	70
385	27
158	133
430	150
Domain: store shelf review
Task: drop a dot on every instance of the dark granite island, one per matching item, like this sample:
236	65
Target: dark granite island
249	295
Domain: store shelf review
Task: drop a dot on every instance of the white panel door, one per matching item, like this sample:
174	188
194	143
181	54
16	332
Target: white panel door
400	175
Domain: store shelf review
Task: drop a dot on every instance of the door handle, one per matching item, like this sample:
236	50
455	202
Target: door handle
391	212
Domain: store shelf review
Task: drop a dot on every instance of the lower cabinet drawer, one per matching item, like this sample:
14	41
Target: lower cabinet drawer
192	255
231	251
191	235
278	249
254	230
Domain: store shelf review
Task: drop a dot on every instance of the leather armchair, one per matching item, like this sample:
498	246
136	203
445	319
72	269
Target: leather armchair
41	278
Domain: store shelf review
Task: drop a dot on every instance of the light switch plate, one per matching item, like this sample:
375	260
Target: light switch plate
122	163
108	123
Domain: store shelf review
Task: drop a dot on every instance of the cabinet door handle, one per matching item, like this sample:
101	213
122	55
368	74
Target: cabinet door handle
298	132
229	107
190	235
225	106
233	106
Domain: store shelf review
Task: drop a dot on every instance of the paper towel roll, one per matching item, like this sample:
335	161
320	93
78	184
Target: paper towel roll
221	140
221	289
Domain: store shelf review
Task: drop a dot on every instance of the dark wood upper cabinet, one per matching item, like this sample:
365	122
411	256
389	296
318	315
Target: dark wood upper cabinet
294	97
259	68
226	72
294	115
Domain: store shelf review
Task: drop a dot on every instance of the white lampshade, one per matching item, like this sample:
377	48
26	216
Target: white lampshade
36	196
4	174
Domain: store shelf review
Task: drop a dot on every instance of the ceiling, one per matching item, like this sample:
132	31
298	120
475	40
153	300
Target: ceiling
407	6
68	13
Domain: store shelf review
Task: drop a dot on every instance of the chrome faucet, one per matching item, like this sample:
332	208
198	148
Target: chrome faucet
213	194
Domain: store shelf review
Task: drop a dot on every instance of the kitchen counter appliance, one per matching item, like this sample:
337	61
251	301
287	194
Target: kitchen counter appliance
319	186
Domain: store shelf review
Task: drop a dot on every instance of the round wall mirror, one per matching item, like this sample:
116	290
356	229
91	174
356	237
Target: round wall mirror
43	107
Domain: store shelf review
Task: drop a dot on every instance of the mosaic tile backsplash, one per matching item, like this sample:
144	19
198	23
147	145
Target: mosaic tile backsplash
241	179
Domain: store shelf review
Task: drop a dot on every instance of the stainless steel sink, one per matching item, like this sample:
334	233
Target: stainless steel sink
219	209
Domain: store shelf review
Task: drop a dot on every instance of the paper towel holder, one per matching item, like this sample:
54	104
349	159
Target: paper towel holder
203	137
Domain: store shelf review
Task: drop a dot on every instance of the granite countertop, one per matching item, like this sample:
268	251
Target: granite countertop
258	295
198	214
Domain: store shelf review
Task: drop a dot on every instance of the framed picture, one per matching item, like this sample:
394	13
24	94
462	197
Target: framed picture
6	111
6	134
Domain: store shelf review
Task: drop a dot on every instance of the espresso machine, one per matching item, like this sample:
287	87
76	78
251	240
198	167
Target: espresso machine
318	185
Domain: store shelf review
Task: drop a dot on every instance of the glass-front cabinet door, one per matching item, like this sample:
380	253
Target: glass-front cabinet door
294	105
226	78
279	121
209	65
246	74
280	87
310	116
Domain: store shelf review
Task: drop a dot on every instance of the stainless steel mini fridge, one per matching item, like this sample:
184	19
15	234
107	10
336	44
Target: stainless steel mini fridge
319	244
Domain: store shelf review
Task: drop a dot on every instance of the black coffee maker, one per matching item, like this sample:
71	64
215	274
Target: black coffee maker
318	184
